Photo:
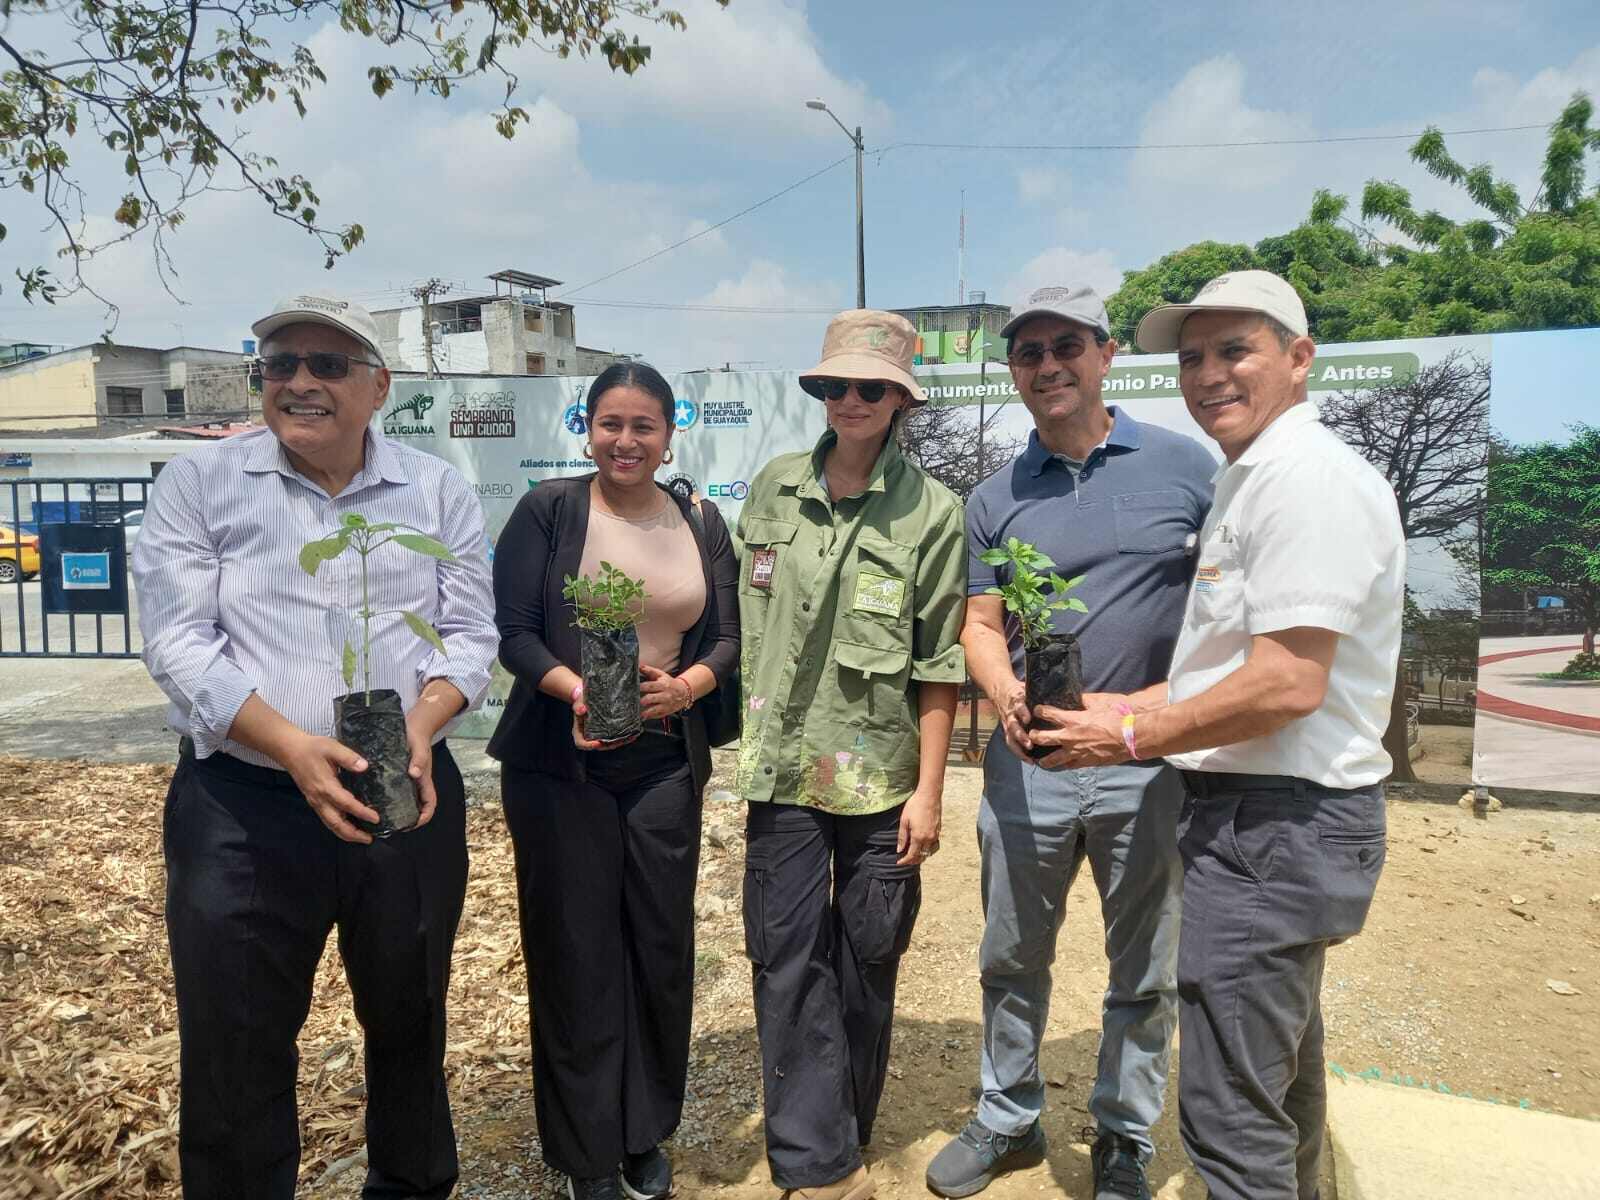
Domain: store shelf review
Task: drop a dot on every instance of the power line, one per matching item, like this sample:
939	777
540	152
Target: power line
1137	146
709	229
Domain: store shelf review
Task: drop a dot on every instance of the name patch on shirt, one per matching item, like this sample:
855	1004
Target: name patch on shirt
879	594
762	565
1207	577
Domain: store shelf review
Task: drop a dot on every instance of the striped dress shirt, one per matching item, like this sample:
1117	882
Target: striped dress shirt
225	609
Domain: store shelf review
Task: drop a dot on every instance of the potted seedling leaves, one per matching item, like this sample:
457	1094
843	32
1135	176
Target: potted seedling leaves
1052	662
608	607
371	721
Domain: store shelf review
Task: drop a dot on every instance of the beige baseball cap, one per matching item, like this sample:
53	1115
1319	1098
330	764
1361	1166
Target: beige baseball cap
319	307
1237	291
866	343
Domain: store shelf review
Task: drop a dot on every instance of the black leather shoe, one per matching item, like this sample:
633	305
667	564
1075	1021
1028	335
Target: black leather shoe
978	1155
1118	1173
647	1176
603	1188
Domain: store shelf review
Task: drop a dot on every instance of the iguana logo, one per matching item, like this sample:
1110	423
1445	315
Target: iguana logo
418	406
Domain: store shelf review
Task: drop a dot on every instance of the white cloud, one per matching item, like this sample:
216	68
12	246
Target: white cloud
743	71
1062	266
1043	186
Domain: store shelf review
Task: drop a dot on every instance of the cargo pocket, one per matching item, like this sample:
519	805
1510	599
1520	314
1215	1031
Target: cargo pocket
874	677
755	930
879	910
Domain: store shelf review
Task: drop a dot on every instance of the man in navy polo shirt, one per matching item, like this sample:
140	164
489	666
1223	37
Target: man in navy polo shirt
1121	504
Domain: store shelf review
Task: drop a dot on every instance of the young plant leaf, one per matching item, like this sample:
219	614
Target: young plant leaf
1077	605
424	631
349	665
423	544
314	554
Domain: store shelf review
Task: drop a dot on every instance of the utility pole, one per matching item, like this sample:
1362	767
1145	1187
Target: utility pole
425	292
861	231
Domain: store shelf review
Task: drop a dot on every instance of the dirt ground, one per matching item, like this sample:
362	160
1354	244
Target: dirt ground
1450	983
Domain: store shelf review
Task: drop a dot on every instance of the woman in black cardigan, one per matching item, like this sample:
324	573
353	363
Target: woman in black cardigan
607	837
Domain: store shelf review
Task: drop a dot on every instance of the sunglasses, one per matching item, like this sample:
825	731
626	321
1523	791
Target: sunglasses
323	364
870	390
1030	355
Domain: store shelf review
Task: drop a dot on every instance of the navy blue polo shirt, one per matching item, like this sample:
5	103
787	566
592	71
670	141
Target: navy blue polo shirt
1124	521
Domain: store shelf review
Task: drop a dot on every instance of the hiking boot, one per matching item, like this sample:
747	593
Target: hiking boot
978	1155
858	1185
603	1188
1118	1173
647	1176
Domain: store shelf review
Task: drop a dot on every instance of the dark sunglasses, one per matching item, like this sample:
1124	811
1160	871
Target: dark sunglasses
870	390
323	364
1030	355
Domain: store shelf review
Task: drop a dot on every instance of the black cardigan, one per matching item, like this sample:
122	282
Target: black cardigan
543	542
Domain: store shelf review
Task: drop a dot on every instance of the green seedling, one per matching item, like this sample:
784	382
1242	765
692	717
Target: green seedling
355	532
608	602
1034	591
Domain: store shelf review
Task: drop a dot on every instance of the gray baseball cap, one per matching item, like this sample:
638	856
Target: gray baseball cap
318	307
1081	304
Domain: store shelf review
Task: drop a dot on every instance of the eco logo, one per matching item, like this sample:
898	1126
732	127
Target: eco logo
737	490
684	414
574	420
395	425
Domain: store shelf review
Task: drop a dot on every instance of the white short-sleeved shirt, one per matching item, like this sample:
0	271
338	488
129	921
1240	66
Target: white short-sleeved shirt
1303	532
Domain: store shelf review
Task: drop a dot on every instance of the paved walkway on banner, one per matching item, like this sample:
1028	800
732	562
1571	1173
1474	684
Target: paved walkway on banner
1391	1142
1533	732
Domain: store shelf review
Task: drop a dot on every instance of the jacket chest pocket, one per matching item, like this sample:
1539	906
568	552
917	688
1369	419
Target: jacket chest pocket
768	545
875	593
1219	584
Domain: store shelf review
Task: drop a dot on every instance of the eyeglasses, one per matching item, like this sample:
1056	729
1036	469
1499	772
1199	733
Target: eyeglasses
870	390
1030	355
323	364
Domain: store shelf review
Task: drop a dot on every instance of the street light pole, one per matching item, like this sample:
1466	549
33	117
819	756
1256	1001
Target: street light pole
861	231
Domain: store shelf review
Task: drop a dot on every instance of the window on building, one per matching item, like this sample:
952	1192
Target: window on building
535	364
124	402
175	402
533	320
563	325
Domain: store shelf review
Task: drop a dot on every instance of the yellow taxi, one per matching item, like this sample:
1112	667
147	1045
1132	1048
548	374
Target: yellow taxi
19	556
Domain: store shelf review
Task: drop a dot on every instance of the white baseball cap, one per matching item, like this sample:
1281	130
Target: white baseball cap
1237	291
319	307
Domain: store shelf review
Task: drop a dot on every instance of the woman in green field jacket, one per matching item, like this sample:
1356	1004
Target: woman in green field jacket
851	592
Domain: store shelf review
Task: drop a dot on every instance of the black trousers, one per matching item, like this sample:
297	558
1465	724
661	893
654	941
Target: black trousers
827	915
606	872
1275	871
254	884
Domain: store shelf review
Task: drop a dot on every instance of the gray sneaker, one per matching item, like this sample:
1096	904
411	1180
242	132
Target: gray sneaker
978	1156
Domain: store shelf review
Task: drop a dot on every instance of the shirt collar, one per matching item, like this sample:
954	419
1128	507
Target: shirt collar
1124	435
1271	440
379	461
805	475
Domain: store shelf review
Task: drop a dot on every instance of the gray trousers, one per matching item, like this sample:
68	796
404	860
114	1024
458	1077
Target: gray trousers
1035	829
1275	871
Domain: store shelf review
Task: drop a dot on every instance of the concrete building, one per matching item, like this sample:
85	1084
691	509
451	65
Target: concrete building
104	390
515	331
959	333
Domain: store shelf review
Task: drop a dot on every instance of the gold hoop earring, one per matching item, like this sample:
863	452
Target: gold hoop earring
588	450
666	457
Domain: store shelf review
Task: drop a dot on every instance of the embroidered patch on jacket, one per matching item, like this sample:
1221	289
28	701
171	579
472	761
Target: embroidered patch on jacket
762	565
879	594
1207	577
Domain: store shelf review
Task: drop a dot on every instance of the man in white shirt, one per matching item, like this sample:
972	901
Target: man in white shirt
1274	710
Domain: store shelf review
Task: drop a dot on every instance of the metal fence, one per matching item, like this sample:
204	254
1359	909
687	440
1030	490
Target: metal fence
32	624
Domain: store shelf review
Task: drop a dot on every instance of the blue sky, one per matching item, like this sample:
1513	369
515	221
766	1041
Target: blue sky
1544	383
614	168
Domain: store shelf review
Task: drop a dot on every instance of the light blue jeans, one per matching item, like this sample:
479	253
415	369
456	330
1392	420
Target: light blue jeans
1035	829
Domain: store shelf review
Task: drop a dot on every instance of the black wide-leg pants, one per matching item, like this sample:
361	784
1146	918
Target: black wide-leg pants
606	872
255	882
827	916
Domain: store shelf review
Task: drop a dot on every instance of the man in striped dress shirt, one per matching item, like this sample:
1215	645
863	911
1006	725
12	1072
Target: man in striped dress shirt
263	858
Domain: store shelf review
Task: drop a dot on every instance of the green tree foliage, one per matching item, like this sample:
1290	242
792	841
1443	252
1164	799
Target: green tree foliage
159	86
1509	265
1542	523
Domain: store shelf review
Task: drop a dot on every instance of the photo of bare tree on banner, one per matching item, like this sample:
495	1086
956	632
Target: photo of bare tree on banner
1427	432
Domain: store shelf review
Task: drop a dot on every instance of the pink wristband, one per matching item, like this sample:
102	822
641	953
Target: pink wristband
1127	731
